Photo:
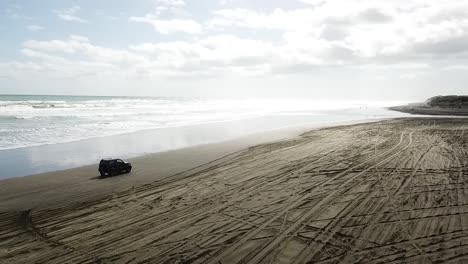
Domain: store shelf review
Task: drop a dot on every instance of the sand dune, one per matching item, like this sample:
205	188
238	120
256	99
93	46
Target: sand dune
451	105
387	192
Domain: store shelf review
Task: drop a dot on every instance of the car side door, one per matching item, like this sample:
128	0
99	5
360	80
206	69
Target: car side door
120	164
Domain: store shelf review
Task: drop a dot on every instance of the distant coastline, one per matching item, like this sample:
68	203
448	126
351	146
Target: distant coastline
451	105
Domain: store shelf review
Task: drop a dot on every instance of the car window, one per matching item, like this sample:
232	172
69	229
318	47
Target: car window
120	161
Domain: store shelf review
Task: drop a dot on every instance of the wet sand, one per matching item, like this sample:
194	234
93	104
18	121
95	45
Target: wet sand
387	192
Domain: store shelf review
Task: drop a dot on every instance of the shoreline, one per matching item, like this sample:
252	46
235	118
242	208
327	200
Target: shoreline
165	165
377	187
152	168
20	162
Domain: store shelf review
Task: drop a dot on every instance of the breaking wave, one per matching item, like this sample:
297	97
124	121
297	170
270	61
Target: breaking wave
38	120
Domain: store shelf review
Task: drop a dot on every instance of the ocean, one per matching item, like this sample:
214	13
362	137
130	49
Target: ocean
29	120
45	133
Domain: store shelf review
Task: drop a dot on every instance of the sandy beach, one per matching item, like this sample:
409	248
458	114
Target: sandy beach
386	192
234	132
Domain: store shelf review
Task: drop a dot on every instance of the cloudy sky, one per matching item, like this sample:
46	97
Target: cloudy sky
360	49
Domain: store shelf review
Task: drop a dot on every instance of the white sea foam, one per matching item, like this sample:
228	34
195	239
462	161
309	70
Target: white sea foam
31	121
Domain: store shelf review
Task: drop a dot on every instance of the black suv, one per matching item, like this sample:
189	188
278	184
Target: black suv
113	167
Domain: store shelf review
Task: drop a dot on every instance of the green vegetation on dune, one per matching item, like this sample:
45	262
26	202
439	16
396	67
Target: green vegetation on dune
452	105
449	101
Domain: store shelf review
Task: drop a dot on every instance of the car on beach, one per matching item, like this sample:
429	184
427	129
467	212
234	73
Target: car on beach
111	167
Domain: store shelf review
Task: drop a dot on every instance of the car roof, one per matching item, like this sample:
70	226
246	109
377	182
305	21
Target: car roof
107	159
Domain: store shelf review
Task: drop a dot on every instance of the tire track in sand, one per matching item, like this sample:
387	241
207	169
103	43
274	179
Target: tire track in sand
342	218
302	218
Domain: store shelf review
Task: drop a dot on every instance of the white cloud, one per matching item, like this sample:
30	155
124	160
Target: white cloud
69	14
226	2
413	75
34	28
168	8
410	35
169	17
362	29
220	50
75	57
208	57
463	67
396	66
81	46
241	17
170	26
178	3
